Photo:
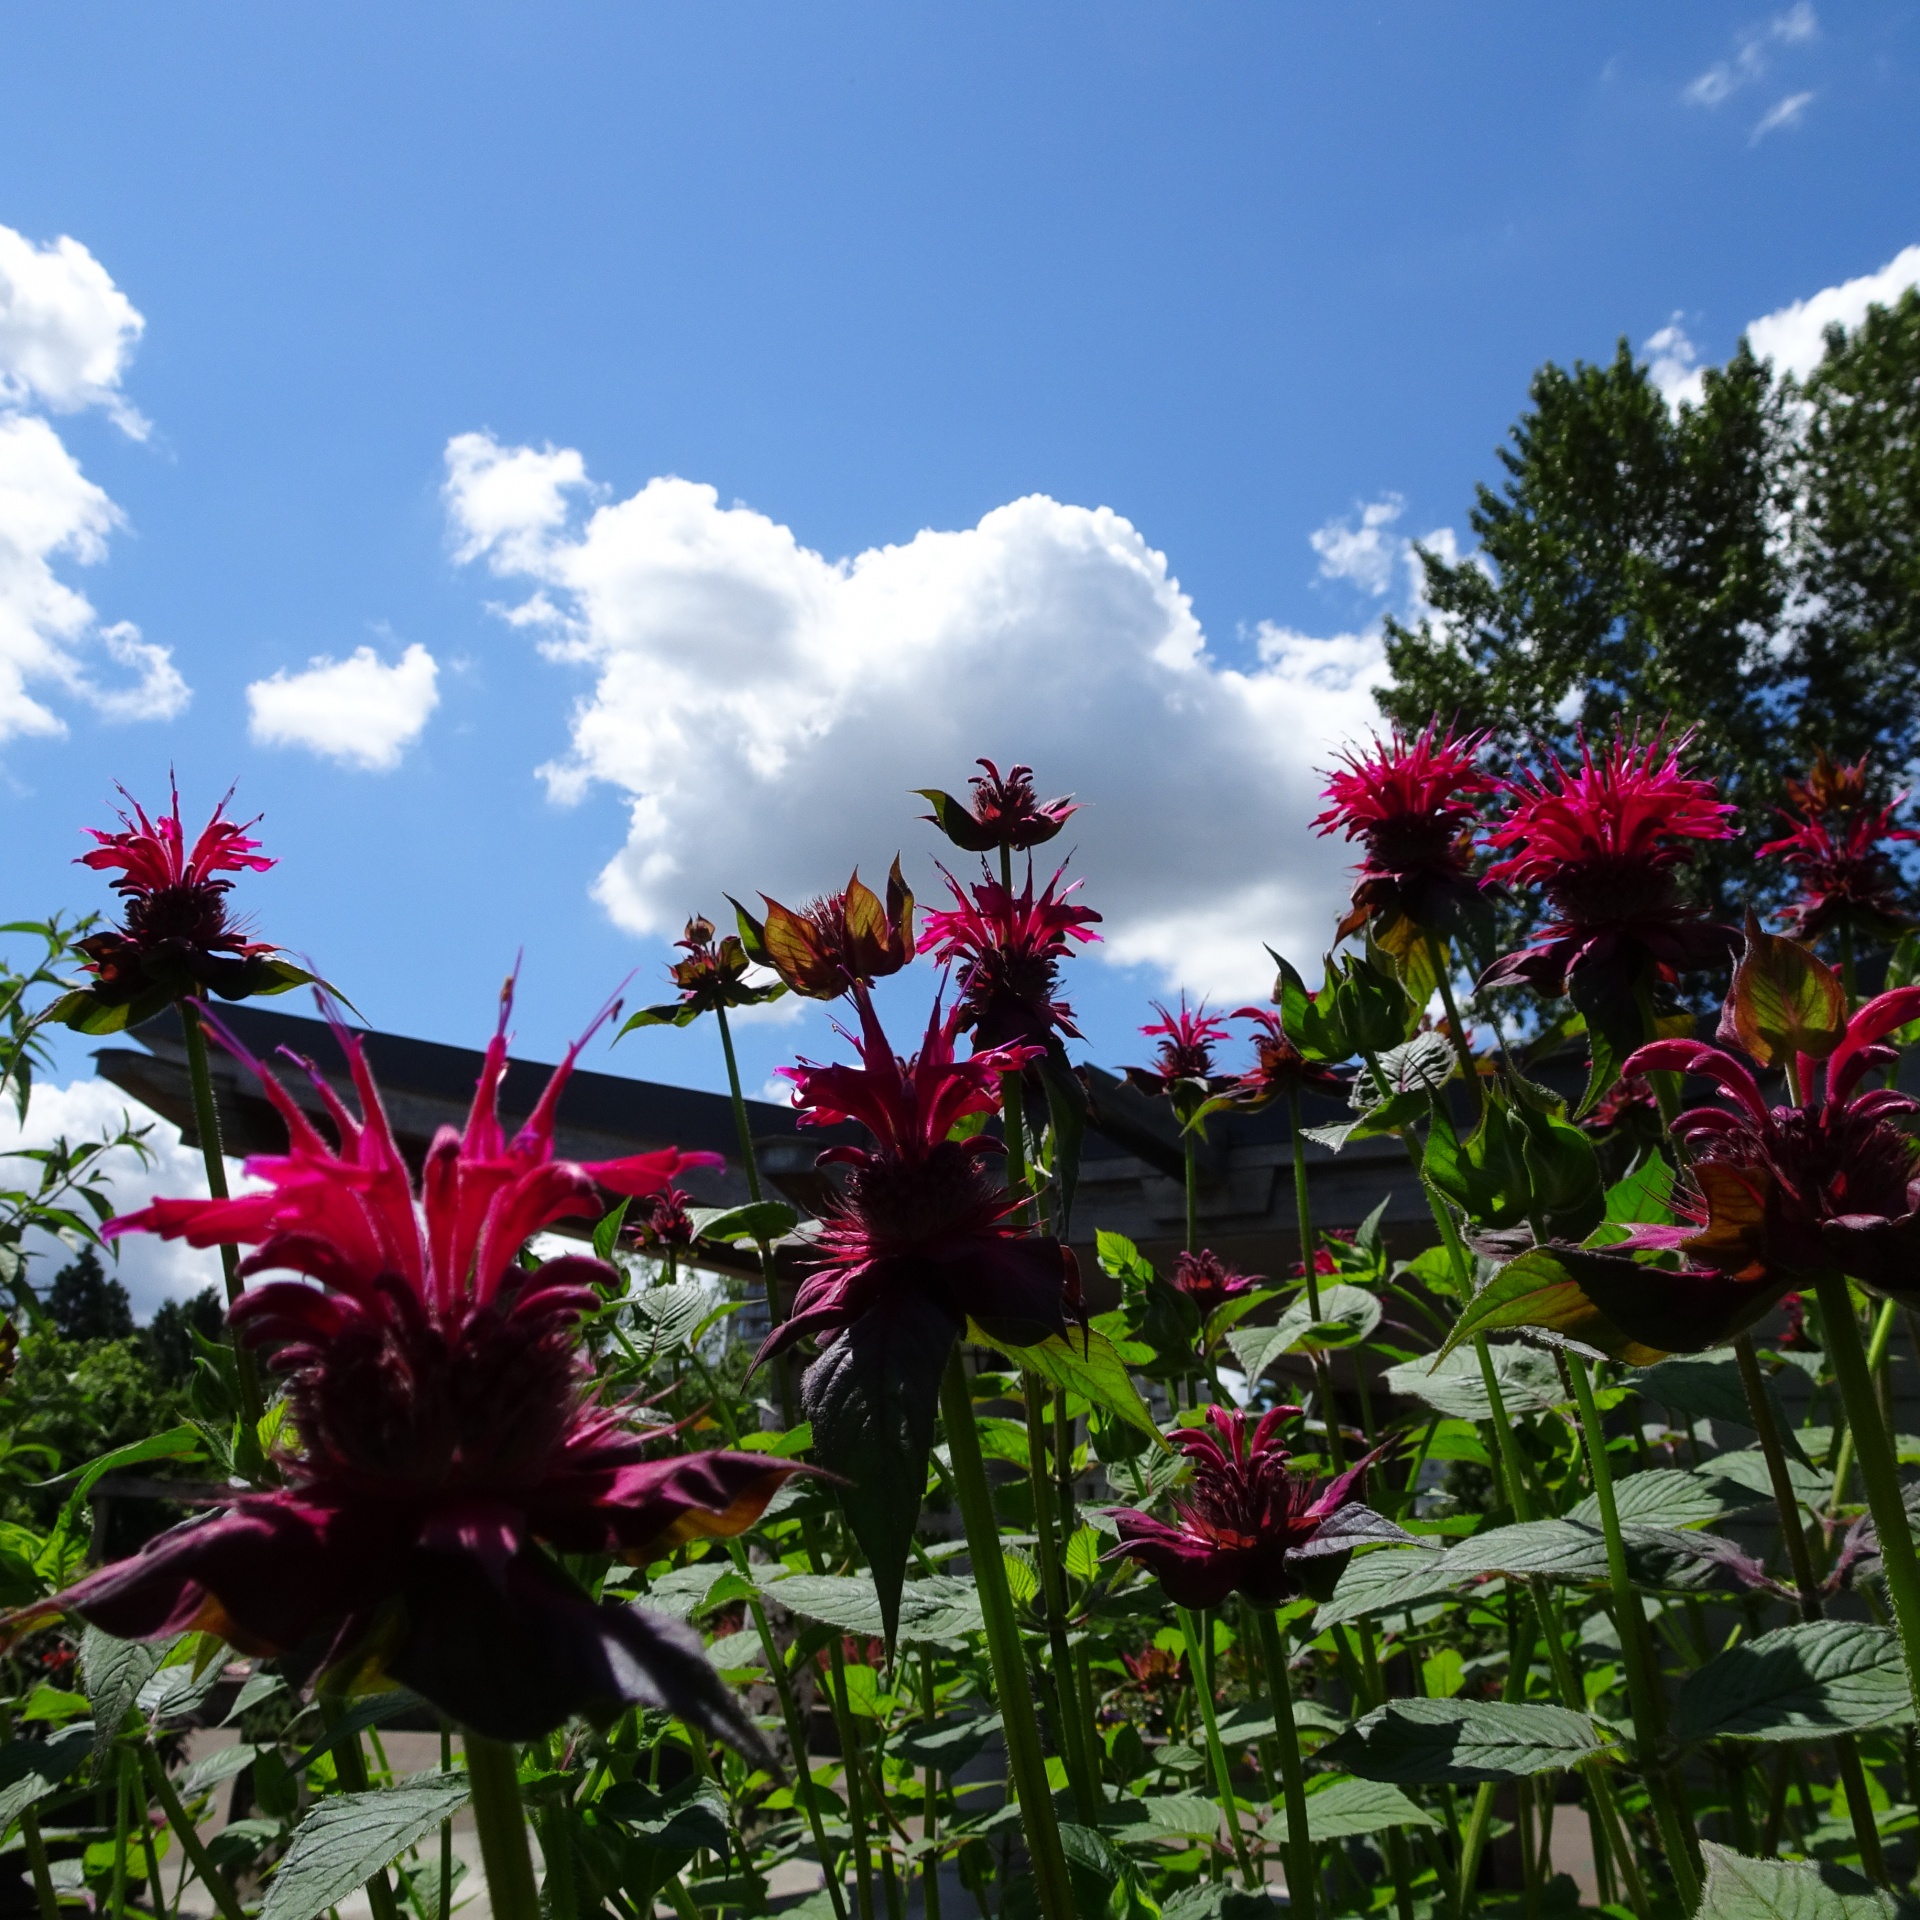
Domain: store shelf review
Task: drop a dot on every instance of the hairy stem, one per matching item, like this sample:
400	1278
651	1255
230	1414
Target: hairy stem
502	1825
1195	1629
1081	1776
1303	1887
191	1845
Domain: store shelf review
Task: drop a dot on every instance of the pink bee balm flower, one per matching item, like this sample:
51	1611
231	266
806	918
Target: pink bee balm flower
1188	1036
1604	840
176	938
1002	813
1209	1282
1009	946
919	1242
1279	1068
1246	1524
450	1443
1837	851
1411	802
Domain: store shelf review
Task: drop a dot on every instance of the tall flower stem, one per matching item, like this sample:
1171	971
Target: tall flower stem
192	1845
930	1814
1071	1732
1022	1732
1462	1046
1643	1685
1195	1630
1309	1253
1302	1872
502	1824
1877	1344
352	1765
750	1165
1878	1468
844	1726
206	1118
1845	1750
1192	1176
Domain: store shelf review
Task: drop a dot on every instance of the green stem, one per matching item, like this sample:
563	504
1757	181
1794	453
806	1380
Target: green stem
930	1806
1222	1773
1309	1252
1013	1130
206	1116
1876	1360
122	1822
1462	1046
44	1895
1022	1733
352	1764
184	1831
1878	1468
850	1777
1080	1774
1193	1217
1302	1872
444	1903
1643	1688
502	1824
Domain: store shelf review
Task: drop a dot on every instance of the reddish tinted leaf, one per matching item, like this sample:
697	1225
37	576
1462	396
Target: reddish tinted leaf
1785	1001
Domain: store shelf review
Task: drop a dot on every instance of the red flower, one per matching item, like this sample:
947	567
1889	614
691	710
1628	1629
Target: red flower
663	1219
1603	841
176	938
710	978
1279	1069
1185	1053
449	1439
1248	1525
1786	1193
1837	851
841	943
1209	1282
1002	813
1323	1262
918	1243
1407	800
1009	946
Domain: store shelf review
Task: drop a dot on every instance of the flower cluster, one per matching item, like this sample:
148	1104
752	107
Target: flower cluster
1836	849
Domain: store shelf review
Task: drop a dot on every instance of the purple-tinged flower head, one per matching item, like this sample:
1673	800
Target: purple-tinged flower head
1782	1194
922	1213
1184	1057
1280	1070
1411	802
450	1439
1836	848
1003	812
838	944
175	936
662	1219
1246	1523
1604	841
1009	947
1209	1282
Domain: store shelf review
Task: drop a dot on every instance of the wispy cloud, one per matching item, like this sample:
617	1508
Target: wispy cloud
1751	59
1785	113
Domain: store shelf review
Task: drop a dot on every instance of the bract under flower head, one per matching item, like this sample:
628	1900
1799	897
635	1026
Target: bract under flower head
919	1242
1412	802
449	1440
1009	946
176	938
1837	850
1003	812
1246	1523
711	978
839	944
1279	1069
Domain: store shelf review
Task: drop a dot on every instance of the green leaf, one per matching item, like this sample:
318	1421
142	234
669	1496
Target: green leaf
1342	1806
1086	1363
1529	1382
349	1837
221	1764
113	1672
1739	1888
1219	1900
1384	1582
176	1443
939	1610
758	1220
1658	1497
1347	1316
1643	1196
1712	1389
681	1820
1805	1682
1784	1000
1121	1260
1746	1472
1399	1110
31	1769
675	1013
1462	1742
946	1743
606	1235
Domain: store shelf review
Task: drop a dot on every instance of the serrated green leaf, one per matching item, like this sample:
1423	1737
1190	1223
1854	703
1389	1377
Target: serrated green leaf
1347	1315
1740	1888
349	1837
757	1220
1658	1497
681	1820
113	1672
1086	1363
1345	1806
1711	1389
31	1769
1529	1382
1805	1682
1462	1742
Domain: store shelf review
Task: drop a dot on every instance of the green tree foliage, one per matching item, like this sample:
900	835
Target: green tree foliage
168	1337
86	1305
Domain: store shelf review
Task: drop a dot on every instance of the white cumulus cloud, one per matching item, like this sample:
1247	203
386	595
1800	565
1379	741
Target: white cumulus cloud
1794	337
92	1109
358	710
1364	553
66	332
767	710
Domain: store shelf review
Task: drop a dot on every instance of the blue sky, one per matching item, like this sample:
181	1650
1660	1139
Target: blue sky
1234	273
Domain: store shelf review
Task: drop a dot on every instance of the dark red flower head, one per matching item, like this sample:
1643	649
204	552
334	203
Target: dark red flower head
1603	840
839	944
1245	1523
1184	1057
1412	803
175	938
1279	1068
1209	1282
1009	946
663	1220
1002	813
1837	851
919	1242
449	1438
